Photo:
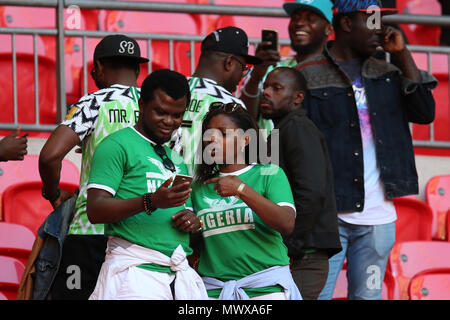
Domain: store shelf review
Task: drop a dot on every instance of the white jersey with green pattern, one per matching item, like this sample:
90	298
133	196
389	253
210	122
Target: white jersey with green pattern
92	118
188	137
289	62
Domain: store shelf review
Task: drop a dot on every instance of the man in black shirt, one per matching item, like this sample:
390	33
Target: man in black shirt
304	157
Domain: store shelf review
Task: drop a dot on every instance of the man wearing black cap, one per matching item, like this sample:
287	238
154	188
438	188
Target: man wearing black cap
223	62
309	28
88	122
363	107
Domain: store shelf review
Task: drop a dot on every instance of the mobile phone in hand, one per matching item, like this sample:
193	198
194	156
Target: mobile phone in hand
271	36
180	178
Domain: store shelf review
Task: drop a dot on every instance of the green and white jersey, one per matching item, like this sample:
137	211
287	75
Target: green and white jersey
126	165
237	242
188	137
93	118
289	62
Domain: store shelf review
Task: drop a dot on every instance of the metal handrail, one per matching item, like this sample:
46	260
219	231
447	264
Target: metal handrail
211	9
61	34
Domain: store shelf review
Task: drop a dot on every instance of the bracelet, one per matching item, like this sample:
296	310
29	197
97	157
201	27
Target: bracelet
147	201
249	94
239	190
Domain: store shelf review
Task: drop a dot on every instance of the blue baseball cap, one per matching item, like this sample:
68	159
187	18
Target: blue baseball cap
324	8
346	6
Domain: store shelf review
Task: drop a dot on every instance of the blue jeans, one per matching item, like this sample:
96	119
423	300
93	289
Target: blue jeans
367	251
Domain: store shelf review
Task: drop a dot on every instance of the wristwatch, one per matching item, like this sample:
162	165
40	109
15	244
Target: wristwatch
53	198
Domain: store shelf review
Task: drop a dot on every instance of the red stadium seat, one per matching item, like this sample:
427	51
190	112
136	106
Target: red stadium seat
410	258
15	16
10	276
13	172
154	22
16	241
414	219
448	225
26	89
437	193
420	34
439	68
340	290
433	284
23	204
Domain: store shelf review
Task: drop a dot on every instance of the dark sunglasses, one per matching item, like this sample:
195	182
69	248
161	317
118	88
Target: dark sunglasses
227	107
161	152
245	67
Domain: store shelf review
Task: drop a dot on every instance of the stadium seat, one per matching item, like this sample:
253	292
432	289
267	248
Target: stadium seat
414	219
13	172
437	194
413	257
439	68
340	290
26	89
16	241
10	276
155	22
432	284
32	17
23	204
420	34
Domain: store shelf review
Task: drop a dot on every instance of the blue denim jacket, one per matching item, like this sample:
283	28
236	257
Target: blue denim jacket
53	231
393	102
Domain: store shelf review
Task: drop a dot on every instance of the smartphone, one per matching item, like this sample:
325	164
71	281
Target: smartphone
272	36
180	178
25	135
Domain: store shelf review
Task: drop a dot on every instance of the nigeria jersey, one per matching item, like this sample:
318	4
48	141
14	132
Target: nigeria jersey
188	137
126	165
92	118
237	242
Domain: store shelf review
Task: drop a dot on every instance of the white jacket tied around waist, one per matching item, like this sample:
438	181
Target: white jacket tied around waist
122	255
276	275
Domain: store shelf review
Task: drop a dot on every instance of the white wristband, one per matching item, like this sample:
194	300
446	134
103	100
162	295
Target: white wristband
250	95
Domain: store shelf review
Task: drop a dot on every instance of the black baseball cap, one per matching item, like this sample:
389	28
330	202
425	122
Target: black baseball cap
230	40
118	45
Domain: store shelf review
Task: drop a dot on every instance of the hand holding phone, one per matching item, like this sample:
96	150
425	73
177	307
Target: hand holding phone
269	35
180	178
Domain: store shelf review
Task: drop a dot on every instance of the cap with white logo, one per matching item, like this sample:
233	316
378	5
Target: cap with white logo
118	45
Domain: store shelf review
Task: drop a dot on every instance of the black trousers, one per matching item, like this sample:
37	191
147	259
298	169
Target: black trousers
82	258
310	274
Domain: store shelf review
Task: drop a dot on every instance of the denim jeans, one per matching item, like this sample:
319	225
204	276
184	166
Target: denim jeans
367	251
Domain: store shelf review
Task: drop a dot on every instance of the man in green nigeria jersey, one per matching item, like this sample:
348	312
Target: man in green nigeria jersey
146	219
223	62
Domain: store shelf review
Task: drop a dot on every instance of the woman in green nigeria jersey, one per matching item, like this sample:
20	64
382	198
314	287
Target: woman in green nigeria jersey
244	208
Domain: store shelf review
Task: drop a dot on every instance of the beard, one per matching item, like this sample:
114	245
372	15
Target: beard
152	136
307	49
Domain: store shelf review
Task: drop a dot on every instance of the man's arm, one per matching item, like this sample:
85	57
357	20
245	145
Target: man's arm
250	92
419	104
58	145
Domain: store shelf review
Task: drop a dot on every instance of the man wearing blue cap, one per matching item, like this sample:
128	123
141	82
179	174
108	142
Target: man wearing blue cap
363	107
309	28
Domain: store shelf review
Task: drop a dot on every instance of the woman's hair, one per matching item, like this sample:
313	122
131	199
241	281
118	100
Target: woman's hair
243	120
